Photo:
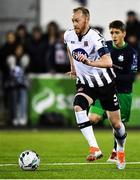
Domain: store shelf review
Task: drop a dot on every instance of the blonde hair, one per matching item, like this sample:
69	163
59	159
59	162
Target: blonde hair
85	11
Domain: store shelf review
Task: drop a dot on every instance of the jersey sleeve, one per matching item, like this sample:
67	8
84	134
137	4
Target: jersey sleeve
100	44
134	65
66	37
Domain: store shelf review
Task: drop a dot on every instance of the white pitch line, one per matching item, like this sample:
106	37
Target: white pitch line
8	165
70	164
88	163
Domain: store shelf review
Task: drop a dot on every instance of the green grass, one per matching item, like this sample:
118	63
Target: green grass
59	146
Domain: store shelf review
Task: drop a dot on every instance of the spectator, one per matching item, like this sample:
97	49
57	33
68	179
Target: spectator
61	58
58	58
82	2
52	32
17	86
132	26
7	49
52	36
99	28
22	36
37	50
133	32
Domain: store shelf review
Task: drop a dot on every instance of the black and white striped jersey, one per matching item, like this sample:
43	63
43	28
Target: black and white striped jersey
93	45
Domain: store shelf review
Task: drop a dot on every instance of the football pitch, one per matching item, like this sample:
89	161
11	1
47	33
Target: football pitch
63	155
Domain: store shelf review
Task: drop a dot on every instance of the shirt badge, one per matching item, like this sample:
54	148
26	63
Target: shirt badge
85	43
121	58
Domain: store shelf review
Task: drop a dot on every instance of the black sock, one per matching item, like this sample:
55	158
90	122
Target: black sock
115	145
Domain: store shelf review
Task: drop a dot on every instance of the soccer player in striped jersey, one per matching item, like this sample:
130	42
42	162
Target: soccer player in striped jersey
125	57
91	63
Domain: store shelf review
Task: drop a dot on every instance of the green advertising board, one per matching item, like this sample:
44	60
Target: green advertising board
135	110
51	93
55	93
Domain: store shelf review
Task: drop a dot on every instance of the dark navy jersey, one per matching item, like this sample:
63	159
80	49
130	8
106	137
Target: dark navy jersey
125	57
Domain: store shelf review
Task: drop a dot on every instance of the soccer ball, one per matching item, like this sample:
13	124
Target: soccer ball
29	160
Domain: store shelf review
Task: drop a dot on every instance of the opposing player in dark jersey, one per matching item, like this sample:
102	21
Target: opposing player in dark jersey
91	63
125	59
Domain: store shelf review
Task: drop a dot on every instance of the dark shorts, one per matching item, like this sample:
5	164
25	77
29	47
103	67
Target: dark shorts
106	94
125	100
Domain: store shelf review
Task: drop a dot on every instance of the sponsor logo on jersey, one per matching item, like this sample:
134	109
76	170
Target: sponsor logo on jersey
77	52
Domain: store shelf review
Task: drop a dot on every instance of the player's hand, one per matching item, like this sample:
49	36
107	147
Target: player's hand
72	74
82	58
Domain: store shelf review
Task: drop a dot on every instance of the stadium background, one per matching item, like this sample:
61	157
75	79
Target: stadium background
51	129
101	12
41	13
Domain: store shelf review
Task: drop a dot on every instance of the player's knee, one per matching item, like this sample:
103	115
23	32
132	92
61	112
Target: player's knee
77	108
94	117
116	125
80	103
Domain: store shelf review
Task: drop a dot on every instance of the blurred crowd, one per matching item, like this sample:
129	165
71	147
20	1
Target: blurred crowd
133	32
23	53
46	52
40	52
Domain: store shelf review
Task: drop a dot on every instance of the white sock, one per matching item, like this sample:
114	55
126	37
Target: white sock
120	142
88	133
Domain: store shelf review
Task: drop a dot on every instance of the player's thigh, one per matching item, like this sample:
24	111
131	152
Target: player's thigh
125	101
108	98
90	100
96	112
114	117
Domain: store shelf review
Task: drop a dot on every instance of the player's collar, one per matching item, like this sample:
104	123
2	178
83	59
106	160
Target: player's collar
115	47
81	36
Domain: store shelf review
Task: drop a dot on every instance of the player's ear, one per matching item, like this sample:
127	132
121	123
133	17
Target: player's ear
124	33
87	19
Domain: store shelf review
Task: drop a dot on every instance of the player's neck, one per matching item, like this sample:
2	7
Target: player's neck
80	36
120	45
85	31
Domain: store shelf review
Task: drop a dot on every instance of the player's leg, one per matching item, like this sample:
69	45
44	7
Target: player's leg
96	112
113	156
120	136
110	102
125	101
81	104
118	128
